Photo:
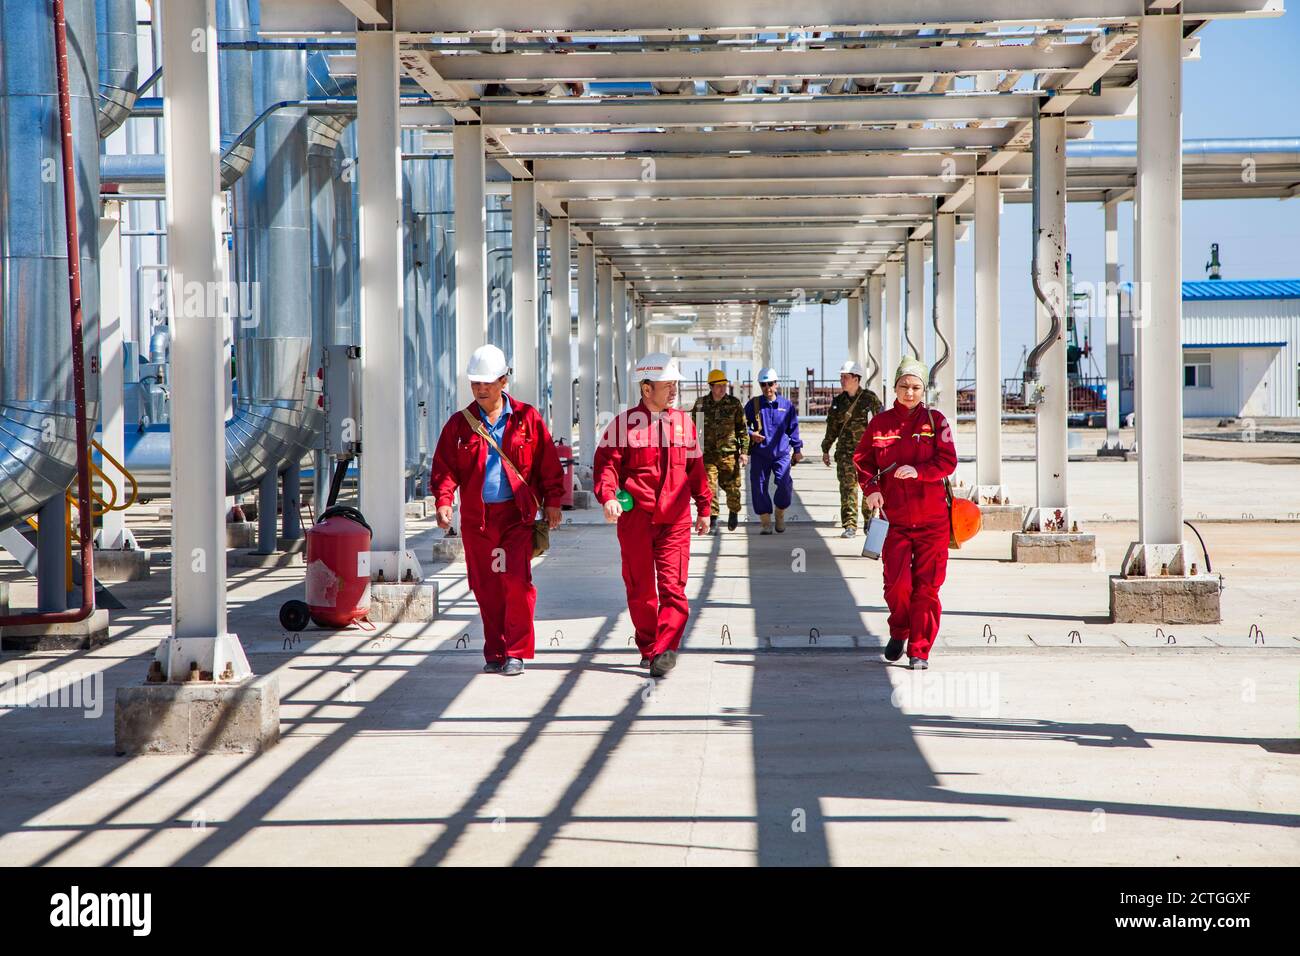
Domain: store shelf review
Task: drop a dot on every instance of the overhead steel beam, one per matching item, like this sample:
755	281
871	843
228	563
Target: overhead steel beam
744	63
651	286
782	234
740	143
812	110
433	17
761	210
677	169
746	189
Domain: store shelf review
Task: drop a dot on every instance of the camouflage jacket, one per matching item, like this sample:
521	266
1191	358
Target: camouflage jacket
844	428
721	426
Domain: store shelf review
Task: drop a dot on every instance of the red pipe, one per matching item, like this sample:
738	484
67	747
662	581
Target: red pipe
78	351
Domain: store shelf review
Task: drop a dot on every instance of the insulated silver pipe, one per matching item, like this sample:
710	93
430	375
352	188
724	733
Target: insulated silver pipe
119	62
38	457
275	414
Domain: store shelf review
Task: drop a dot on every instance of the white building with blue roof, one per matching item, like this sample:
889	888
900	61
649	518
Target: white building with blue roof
1241	349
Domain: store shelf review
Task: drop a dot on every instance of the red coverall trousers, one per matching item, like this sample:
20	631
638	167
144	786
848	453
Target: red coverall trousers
915	563
500	563
655	558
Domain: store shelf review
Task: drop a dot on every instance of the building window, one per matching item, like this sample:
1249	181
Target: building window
1196	370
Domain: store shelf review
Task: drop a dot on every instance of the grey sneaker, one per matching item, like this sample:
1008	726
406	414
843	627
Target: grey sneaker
663	663
918	663
849	533
493	667
513	667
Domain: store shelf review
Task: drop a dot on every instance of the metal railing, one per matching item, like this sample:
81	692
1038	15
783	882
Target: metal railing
1087	394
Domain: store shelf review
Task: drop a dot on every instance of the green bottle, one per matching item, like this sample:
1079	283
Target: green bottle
625	500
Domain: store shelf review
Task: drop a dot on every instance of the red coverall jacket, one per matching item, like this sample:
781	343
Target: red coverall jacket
899	437
629	454
461	460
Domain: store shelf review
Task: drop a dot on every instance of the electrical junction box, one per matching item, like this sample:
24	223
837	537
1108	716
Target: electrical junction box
1032	393
341	399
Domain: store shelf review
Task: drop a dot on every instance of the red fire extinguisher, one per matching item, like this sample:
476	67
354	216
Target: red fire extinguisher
565	451
338	572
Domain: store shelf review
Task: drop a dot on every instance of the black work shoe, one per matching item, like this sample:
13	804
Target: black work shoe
893	650
493	667
732	519
713	523
663	663
645	662
918	663
513	667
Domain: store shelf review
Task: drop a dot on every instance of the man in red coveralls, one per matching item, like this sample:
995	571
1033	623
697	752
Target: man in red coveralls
652	452
901	461
499	502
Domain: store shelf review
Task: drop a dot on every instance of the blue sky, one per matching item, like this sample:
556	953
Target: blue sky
1246	84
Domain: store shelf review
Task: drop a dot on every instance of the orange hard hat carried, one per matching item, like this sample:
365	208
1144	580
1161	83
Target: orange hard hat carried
966	521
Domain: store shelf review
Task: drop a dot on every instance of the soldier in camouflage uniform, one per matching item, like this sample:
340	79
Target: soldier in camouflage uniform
850	411
724	440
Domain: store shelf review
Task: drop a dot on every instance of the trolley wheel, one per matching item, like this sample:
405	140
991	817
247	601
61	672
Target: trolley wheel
294	615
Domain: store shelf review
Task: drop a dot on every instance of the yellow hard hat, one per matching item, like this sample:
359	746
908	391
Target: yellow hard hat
716	376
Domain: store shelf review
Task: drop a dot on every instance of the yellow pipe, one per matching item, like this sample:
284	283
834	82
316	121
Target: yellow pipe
135	488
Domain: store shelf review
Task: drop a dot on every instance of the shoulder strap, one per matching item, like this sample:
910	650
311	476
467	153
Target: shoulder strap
483	433
947	482
848	414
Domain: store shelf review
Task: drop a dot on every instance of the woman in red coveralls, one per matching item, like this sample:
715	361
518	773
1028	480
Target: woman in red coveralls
653	454
497	508
901	461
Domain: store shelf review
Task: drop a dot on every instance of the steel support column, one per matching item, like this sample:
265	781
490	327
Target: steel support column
606	400
914	330
1111	213
893	327
561	335
853	323
1052	453
192	147
988	340
945	313
379	186
113	533
618	386
523	287
470	215
586	352
875	335
1158	323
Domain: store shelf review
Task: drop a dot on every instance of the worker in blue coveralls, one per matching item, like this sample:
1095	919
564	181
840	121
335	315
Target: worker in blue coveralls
774	446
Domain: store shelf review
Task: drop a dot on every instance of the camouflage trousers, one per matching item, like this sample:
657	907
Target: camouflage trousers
849	493
723	470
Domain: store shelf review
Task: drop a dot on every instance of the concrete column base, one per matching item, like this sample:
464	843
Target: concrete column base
291	545
200	717
241	534
1002	517
403	603
1113	451
1165	600
582	500
252	559
68	636
448	549
1029	547
114	566
416	509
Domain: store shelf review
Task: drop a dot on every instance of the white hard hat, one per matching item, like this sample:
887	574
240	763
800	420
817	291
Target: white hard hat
487	364
657	367
767	375
851	368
